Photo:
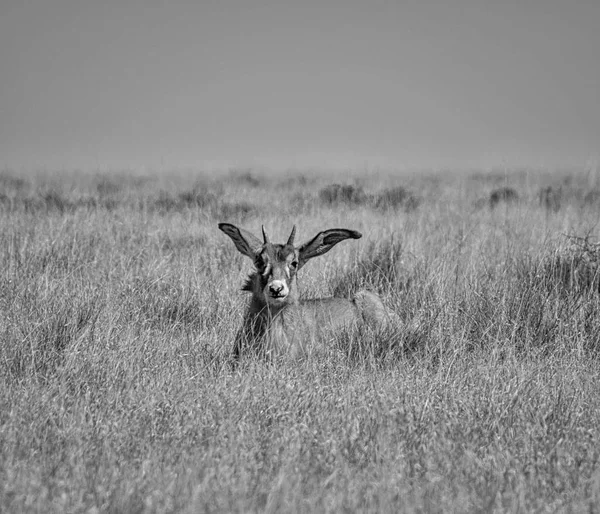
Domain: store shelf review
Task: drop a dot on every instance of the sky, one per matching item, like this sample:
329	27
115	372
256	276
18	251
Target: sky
123	84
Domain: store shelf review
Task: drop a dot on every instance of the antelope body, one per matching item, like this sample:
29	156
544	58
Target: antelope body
277	321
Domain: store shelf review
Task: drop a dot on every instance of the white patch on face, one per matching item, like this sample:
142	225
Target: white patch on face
277	291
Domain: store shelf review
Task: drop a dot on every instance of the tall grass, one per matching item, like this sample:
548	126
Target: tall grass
120	299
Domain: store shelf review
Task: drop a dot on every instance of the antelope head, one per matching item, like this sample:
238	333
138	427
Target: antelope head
274	282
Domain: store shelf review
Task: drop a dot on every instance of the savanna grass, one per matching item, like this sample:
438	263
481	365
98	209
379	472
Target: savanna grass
119	303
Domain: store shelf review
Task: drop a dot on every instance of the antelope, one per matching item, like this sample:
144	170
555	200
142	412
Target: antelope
277	321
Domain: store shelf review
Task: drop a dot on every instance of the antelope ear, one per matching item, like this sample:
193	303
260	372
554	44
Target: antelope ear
246	243
325	241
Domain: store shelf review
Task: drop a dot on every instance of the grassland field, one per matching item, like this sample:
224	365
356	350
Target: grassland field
120	299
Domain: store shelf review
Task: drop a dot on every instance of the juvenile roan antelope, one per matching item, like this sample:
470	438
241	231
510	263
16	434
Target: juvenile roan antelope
279	323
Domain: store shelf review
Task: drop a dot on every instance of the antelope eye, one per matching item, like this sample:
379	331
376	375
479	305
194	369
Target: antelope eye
259	263
294	264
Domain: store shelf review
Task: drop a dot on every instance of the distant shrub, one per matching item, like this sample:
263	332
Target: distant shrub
233	210
592	197
202	200
165	202
52	202
550	198
396	198
336	194
106	187
196	199
11	182
503	195
245	178
6	202
55	201
296	180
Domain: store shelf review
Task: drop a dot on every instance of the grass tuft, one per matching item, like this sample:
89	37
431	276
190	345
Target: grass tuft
576	271
380	270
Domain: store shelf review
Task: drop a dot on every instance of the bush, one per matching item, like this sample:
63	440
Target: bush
396	198
550	198
592	198
503	194
336	194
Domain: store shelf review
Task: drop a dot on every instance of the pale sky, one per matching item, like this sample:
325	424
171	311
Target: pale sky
164	84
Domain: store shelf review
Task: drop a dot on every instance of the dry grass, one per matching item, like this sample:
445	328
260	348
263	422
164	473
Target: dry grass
119	300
